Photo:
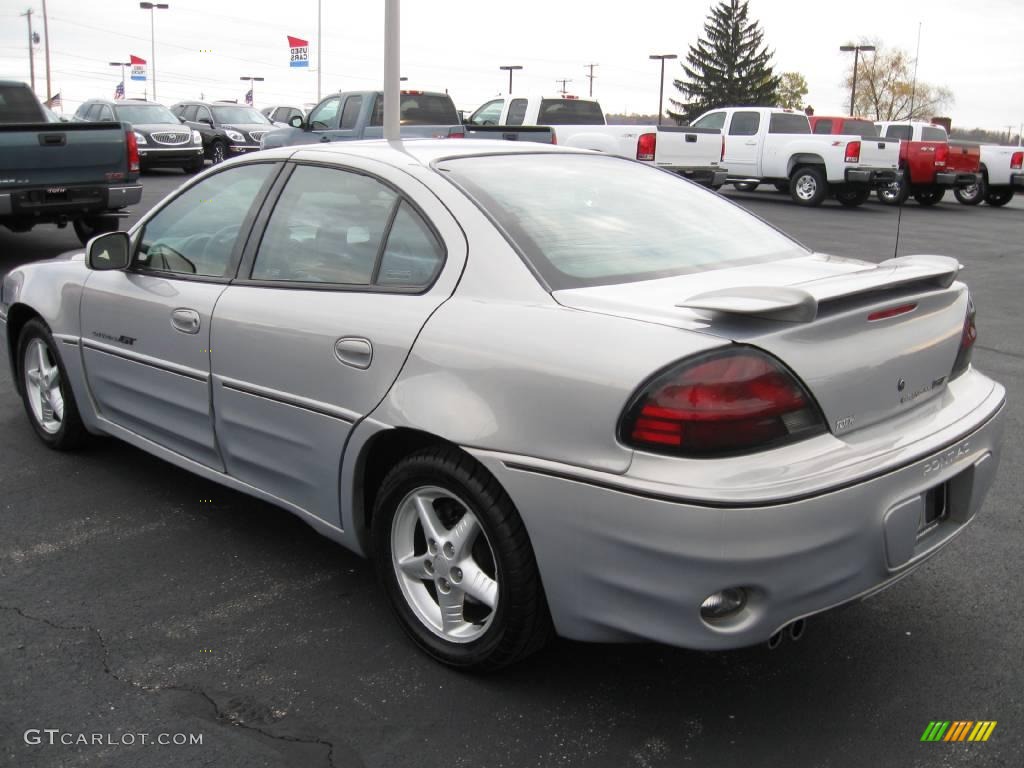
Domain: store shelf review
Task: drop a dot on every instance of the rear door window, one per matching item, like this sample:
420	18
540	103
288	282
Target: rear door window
569	112
516	112
783	122
744	124
350	114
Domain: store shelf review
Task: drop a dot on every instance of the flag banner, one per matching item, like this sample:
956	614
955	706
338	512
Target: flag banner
248	97
299	51
53	101
119	91
138	68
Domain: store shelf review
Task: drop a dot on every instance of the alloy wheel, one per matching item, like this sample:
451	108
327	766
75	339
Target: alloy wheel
42	382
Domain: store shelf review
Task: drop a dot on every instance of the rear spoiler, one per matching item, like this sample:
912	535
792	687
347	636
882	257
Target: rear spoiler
800	304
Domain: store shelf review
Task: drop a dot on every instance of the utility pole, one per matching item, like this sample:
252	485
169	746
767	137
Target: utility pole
661	81
31	54
591	76
392	70
563	82
46	44
510	68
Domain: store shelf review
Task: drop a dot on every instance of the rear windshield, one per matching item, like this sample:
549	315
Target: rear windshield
569	112
607	220
18	105
904	132
420	109
784	123
863	128
148	113
239	115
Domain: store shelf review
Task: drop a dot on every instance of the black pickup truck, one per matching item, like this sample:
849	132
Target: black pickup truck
82	173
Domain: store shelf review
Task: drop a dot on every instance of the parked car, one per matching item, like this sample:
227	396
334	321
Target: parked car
616	405
227	129
1001	175
929	163
354	115
283	113
82	173
695	153
776	146
163	141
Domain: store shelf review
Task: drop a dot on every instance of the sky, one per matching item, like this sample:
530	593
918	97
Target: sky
204	46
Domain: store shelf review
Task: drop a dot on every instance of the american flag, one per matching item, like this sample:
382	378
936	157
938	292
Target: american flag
119	91
53	101
248	97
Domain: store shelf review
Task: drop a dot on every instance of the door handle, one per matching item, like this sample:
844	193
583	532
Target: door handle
354	351
750	143
185	320
324	139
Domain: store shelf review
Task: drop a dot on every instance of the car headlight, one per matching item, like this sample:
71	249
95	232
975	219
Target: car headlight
139	138
235	136
197	137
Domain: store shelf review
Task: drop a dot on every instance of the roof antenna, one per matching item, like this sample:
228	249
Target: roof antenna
910	122
392	98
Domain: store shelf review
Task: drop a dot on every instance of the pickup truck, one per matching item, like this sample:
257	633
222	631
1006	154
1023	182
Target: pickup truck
1001	175
929	164
354	115
695	153
82	173
776	146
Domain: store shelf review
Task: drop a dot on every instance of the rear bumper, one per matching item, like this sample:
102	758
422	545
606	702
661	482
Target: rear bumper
1017	180
708	176
621	565
875	177
949	179
48	203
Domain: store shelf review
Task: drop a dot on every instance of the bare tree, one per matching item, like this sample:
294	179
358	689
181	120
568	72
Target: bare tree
885	87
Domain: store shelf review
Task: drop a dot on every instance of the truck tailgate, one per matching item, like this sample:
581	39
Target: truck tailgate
62	153
878	152
687	147
964	157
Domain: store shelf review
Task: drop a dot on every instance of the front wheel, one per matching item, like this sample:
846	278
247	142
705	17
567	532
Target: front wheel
851	198
45	391
455	561
808	185
929	197
218	152
89	227
999	197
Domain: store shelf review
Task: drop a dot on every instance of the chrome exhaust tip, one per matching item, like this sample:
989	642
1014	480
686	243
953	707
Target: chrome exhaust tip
797	629
774	640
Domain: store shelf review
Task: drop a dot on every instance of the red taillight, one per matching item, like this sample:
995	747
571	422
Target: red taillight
133	151
853	152
646	145
554	136
722	402
967	339
941	155
1016	160
456	135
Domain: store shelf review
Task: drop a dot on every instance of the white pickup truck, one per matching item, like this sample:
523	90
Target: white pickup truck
767	144
1002	173
695	153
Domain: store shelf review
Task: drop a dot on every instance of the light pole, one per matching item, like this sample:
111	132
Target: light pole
856	57
122	65
510	68
31	52
661	82
152	8
252	86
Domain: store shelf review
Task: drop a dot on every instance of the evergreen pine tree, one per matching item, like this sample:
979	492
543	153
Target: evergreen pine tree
729	67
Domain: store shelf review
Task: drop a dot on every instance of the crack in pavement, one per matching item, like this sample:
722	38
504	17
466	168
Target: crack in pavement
219	714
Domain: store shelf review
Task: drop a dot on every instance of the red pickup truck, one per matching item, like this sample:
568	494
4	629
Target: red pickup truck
930	163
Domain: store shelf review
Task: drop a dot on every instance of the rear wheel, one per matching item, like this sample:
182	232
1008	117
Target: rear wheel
808	185
45	390
851	198
895	193
89	227
930	196
971	194
745	186
999	197
455	561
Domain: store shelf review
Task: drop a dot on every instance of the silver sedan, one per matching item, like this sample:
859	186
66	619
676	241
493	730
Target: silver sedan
546	390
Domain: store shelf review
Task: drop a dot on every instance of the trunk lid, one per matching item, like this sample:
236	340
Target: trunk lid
868	340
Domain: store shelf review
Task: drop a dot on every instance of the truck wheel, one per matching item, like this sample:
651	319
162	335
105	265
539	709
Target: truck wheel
929	197
808	185
999	197
895	193
218	152
781	186
745	186
89	227
852	197
971	194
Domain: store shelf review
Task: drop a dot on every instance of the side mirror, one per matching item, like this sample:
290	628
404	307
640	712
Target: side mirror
181	119
108	251
295	121
206	121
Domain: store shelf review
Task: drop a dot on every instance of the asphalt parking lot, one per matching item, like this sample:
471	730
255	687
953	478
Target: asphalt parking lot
136	598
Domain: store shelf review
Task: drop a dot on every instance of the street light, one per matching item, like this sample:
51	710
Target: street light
510	67
152	8
856	56
252	86
661	82
122	65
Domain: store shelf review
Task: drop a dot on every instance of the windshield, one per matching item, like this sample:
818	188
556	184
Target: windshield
148	113
569	112
585	220
239	115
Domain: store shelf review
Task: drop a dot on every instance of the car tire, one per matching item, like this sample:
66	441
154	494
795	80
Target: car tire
929	197
894	194
89	227
999	197
808	185
851	198
971	194
45	390
438	517
746	186
218	151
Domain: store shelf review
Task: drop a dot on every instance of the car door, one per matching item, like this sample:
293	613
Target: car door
146	330
309	338
741	145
